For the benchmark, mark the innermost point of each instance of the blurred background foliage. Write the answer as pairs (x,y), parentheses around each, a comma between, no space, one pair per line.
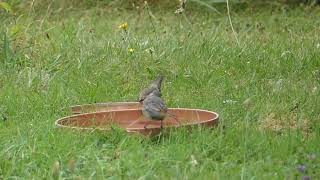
(38,6)
(17,15)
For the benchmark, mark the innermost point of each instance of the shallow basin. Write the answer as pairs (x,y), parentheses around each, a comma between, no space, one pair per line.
(133,121)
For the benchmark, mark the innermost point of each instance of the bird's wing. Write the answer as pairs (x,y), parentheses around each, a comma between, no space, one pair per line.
(157,105)
(162,105)
(154,107)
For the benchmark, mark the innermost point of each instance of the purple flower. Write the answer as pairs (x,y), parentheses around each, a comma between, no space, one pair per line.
(306,178)
(302,168)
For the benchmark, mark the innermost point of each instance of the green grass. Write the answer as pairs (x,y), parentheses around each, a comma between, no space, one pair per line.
(57,58)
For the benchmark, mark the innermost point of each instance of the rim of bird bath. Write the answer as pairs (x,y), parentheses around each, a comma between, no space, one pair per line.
(103,106)
(128,119)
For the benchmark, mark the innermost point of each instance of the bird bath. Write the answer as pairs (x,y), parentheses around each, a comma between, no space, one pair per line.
(129,117)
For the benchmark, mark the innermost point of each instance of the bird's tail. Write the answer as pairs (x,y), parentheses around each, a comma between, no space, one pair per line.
(158,82)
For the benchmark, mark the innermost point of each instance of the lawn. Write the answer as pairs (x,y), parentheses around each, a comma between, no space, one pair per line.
(266,88)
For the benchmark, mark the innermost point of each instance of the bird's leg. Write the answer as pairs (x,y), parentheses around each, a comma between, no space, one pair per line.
(161,125)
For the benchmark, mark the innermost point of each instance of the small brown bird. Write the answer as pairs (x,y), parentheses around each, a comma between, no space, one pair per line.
(154,108)
(154,86)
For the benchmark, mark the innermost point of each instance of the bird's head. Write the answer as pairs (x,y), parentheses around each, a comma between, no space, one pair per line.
(142,97)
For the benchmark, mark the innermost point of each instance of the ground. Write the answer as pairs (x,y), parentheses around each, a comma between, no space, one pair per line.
(266,88)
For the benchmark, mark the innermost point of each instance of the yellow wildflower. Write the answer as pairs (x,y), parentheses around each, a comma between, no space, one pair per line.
(123,26)
(130,50)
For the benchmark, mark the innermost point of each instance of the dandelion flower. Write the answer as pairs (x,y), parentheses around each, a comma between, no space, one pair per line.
(130,50)
(123,26)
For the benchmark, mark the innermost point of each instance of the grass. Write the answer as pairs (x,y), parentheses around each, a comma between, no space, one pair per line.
(266,91)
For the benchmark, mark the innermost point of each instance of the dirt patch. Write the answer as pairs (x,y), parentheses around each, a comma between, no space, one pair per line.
(281,123)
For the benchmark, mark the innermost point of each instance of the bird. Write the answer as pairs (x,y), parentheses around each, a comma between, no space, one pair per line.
(154,86)
(154,107)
